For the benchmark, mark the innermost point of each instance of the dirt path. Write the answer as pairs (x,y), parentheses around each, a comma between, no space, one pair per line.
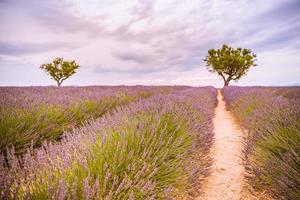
(226,180)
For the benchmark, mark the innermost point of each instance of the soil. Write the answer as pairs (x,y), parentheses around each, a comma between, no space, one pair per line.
(226,181)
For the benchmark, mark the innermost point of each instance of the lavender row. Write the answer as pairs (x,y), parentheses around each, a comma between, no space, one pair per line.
(272,141)
(151,149)
(24,97)
(32,114)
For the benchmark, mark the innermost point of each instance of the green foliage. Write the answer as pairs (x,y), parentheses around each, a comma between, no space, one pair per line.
(230,63)
(60,70)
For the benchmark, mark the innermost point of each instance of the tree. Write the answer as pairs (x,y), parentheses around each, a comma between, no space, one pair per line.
(60,70)
(230,63)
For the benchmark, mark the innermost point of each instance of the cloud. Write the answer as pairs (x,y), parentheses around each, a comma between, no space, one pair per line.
(19,49)
(138,57)
(146,38)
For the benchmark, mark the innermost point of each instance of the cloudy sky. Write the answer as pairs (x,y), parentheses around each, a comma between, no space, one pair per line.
(147,41)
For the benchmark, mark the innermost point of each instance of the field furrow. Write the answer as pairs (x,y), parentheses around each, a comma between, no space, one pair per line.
(226,180)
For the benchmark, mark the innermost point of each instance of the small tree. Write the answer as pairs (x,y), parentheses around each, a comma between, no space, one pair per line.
(230,63)
(60,70)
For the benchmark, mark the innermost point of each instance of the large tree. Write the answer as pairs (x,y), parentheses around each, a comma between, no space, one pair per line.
(60,70)
(230,63)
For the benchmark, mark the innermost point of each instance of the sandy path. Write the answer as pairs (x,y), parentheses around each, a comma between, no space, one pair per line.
(226,180)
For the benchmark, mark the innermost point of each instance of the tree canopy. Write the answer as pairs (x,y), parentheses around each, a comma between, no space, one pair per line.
(60,70)
(230,63)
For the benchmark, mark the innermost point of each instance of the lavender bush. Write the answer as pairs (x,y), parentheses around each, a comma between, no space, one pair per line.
(30,115)
(151,149)
(272,142)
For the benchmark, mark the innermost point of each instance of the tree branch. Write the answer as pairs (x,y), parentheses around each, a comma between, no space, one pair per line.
(222,76)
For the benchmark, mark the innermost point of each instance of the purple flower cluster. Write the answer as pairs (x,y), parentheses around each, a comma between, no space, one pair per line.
(271,118)
(149,149)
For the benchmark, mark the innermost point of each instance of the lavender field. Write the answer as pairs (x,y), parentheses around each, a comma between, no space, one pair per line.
(104,143)
(143,142)
(32,114)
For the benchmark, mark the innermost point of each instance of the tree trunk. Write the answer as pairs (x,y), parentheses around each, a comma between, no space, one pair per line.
(226,83)
(58,83)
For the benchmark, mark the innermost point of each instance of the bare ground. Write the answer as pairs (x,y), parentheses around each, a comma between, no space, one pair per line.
(226,181)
